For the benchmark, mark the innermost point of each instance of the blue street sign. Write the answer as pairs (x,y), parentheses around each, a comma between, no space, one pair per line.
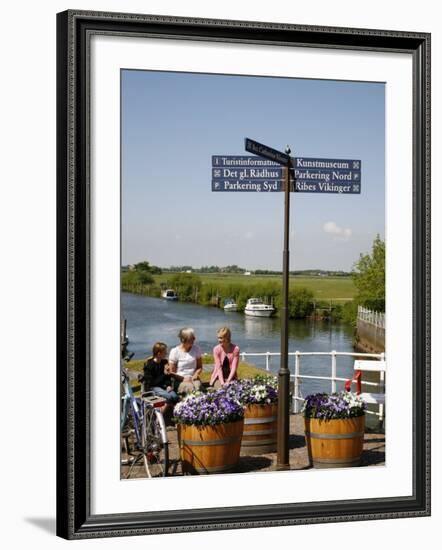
(250,185)
(307,186)
(267,152)
(298,163)
(300,186)
(278,173)
(337,175)
(326,164)
(247,173)
(243,161)
(308,175)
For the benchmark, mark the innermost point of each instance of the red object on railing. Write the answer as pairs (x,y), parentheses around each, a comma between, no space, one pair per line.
(357,377)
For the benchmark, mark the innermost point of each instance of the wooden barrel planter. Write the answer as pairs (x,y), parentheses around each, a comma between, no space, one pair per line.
(335,443)
(210,449)
(260,426)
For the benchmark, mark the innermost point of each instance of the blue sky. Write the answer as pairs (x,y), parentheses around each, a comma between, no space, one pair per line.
(172,124)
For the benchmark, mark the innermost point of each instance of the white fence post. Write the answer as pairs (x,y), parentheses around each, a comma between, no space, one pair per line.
(333,366)
(268,361)
(296,389)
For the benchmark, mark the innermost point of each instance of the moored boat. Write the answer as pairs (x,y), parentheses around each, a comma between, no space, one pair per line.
(169,294)
(230,305)
(255,307)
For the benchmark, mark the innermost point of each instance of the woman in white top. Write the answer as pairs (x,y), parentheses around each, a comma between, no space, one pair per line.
(185,364)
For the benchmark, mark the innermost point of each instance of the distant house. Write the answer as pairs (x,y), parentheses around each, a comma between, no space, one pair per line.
(247,272)
(188,271)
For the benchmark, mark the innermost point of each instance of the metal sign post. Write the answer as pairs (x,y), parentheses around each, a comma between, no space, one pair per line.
(282,441)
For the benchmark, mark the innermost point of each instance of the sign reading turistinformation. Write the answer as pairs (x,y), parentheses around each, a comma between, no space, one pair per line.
(308,175)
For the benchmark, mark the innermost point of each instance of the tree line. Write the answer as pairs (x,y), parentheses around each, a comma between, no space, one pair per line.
(368,275)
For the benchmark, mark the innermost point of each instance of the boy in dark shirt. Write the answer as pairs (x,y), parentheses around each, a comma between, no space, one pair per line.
(157,377)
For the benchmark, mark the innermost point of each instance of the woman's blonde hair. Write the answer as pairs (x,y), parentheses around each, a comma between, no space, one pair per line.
(185,334)
(224,332)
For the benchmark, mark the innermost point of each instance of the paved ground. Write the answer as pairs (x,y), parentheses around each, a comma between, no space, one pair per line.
(373,453)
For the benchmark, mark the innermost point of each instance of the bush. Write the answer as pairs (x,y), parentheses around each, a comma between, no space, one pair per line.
(187,285)
(134,278)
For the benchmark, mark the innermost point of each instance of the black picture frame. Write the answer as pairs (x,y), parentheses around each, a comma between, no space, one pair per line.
(74,518)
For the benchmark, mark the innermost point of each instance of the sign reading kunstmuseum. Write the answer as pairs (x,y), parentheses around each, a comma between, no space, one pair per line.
(308,175)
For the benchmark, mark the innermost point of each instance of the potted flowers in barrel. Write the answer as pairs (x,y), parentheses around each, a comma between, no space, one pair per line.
(210,428)
(259,396)
(334,429)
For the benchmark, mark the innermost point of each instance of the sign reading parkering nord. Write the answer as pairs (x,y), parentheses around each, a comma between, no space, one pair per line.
(309,175)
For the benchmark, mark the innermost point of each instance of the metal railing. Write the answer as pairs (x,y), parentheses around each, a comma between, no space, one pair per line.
(297,377)
(375,318)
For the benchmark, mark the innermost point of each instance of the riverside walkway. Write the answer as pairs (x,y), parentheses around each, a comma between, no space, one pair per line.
(373,453)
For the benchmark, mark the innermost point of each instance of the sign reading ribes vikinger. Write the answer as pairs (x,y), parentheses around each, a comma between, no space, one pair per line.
(308,175)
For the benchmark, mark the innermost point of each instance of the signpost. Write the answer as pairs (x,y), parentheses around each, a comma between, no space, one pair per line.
(282,439)
(270,171)
(308,175)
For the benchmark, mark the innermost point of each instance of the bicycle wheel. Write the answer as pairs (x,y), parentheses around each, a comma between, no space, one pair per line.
(154,444)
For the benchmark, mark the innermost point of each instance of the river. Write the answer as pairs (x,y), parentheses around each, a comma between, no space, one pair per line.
(153,319)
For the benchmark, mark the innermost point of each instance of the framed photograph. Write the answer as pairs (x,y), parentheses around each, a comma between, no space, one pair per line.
(243,260)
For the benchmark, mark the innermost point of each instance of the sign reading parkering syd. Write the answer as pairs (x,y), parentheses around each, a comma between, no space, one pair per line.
(308,175)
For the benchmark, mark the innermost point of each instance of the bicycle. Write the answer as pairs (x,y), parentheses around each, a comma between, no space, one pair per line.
(143,423)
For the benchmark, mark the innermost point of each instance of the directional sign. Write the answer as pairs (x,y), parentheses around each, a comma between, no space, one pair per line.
(243,161)
(326,164)
(328,175)
(255,185)
(309,175)
(267,152)
(243,173)
(307,186)
(299,186)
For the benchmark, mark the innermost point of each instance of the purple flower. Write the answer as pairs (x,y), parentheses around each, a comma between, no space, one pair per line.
(341,404)
(207,410)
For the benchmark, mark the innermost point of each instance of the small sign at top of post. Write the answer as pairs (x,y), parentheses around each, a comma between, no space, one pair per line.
(264,151)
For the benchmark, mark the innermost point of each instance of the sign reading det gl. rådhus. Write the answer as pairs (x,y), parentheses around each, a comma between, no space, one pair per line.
(308,175)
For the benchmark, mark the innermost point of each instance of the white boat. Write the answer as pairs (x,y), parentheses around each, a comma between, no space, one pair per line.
(169,294)
(230,305)
(257,308)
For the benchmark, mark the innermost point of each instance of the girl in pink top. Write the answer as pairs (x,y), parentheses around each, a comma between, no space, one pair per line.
(226,356)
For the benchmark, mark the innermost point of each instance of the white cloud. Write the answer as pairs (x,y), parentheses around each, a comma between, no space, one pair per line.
(249,235)
(341,233)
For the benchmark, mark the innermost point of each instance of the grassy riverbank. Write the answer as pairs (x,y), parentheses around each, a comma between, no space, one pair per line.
(307,295)
(337,289)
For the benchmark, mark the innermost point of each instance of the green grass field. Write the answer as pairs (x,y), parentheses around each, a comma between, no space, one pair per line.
(324,288)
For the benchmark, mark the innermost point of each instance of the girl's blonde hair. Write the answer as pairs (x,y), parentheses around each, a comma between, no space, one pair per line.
(224,332)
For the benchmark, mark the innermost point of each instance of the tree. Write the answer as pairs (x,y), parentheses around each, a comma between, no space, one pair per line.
(369,277)
(142,266)
(145,267)
(134,278)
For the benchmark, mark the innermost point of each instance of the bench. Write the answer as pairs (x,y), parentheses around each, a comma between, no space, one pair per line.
(361,366)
